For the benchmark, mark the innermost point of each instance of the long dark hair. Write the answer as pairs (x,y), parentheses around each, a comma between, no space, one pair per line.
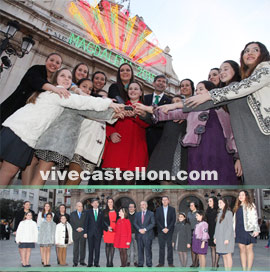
(191,84)
(225,209)
(237,75)
(264,56)
(43,210)
(107,210)
(74,80)
(208,85)
(215,201)
(121,87)
(96,73)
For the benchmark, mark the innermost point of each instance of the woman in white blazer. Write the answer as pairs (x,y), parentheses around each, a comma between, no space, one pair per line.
(18,137)
(245,223)
(26,237)
(63,238)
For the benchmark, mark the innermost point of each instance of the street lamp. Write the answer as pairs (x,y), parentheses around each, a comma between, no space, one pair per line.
(5,46)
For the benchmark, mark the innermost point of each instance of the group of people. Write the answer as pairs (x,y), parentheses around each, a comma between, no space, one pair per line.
(133,232)
(71,124)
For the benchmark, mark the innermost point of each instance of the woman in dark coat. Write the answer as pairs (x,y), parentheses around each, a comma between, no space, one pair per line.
(181,240)
(211,217)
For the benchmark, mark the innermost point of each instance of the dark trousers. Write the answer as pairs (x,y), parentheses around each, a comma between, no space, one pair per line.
(164,239)
(79,249)
(144,243)
(94,245)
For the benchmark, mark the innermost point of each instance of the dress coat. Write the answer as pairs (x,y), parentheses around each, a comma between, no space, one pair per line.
(132,149)
(60,234)
(46,234)
(27,232)
(224,231)
(32,81)
(182,236)
(122,233)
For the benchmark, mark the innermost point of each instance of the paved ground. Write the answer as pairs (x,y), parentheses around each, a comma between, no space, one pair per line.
(9,255)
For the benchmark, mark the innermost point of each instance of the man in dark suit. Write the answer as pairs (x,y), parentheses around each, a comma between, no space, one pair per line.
(77,222)
(144,223)
(154,132)
(93,230)
(165,218)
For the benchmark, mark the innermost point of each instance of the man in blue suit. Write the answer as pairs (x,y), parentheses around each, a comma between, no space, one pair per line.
(165,218)
(144,223)
(93,230)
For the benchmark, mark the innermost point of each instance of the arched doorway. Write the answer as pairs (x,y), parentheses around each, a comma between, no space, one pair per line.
(123,202)
(184,204)
(87,203)
(154,203)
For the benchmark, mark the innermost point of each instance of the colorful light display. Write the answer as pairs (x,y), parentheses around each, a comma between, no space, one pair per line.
(113,28)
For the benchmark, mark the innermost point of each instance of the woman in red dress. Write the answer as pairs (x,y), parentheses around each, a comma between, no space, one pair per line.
(110,217)
(122,237)
(127,147)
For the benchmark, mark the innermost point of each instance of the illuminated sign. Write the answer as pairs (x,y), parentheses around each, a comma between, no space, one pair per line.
(113,28)
(103,53)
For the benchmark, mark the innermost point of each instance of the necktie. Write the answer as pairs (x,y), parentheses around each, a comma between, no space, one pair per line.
(95,215)
(156,99)
(79,213)
(143,213)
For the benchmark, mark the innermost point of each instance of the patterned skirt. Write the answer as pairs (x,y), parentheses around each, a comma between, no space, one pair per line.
(51,156)
(84,164)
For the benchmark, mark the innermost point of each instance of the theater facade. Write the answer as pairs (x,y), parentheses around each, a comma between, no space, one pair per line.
(100,33)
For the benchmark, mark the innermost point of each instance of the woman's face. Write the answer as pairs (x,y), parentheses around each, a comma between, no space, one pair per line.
(47,207)
(63,219)
(53,63)
(110,203)
(214,76)
(62,209)
(86,86)
(251,54)
(99,81)
(211,202)
(81,72)
(28,216)
(49,218)
(185,88)
(242,196)
(125,73)
(200,89)
(64,79)
(199,217)
(134,91)
(181,217)
(226,72)
(121,213)
(221,204)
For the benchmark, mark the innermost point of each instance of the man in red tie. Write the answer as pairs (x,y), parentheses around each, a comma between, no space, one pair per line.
(144,223)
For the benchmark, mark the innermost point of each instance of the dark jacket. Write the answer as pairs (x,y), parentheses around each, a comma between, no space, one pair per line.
(77,222)
(154,131)
(32,81)
(19,217)
(92,227)
(148,224)
(114,92)
(57,217)
(182,236)
(131,218)
(160,219)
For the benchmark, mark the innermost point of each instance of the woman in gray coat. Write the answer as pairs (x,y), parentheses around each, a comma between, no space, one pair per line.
(181,240)
(224,233)
(46,237)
